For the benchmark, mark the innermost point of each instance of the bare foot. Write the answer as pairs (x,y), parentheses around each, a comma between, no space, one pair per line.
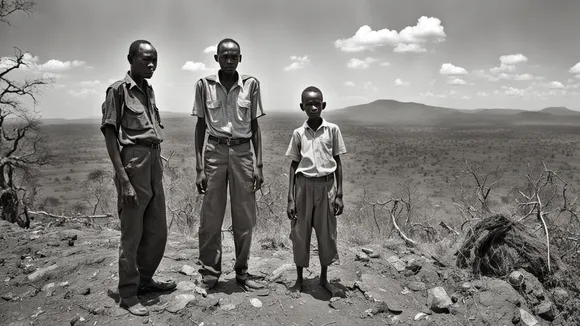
(295,290)
(334,291)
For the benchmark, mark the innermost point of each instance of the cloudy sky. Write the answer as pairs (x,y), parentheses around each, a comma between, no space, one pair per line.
(457,53)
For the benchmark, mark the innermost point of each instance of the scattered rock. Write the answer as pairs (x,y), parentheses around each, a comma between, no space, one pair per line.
(187,270)
(263,293)
(40,272)
(478,284)
(546,311)
(339,303)
(279,271)
(394,306)
(201,291)
(256,303)
(375,255)
(20,323)
(415,265)
(379,308)
(85,291)
(466,286)
(527,319)
(179,302)
(417,286)
(76,319)
(438,300)
(9,296)
(367,251)
(455,297)
(49,289)
(209,303)
(560,296)
(228,307)
(516,279)
(430,277)
(186,286)
(362,257)
(420,315)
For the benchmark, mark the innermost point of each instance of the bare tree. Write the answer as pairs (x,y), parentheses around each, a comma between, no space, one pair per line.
(21,141)
(98,190)
(474,187)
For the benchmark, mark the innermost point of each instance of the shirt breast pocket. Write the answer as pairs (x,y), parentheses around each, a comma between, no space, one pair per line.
(214,110)
(243,111)
(134,116)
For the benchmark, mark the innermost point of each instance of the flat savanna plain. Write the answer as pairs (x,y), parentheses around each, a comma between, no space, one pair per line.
(381,158)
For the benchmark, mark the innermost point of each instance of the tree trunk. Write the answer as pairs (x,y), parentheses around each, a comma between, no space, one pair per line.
(9,205)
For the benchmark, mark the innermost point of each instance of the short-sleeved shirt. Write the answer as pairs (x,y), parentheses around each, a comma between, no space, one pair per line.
(228,114)
(314,150)
(132,111)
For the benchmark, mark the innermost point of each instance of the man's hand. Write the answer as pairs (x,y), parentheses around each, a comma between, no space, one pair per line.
(338,206)
(201,182)
(258,179)
(291,211)
(128,195)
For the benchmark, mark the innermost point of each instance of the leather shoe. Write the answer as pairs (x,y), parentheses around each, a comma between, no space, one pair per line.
(247,283)
(157,286)
(134,306)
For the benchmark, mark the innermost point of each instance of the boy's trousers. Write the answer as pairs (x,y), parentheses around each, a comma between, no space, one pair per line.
(143,228)
(233,165)
(314,199)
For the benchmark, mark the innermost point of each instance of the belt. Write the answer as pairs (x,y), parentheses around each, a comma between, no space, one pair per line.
(327,177)
(148,144)
(229,141)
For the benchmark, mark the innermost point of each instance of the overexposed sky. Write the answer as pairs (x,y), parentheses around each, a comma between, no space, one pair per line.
(458,53)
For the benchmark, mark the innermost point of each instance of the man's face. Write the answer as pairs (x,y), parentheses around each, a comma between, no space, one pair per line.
(312,104)
(228,57)
(145,62)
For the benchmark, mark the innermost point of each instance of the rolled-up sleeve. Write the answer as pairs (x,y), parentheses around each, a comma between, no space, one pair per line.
(338,147)
(111,110)
(293,151)
(257,108)
(198,102)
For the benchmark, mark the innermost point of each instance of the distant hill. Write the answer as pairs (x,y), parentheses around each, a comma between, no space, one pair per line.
(388,111)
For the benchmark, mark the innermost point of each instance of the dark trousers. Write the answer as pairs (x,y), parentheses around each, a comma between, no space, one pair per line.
(233,165)
(143,228)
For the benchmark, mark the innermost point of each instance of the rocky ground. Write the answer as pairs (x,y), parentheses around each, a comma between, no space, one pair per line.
(66,274)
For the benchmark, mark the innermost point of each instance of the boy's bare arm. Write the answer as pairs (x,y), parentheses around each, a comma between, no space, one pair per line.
(291,184)
(338,175)
(199,139)
(257,144)
(128,194)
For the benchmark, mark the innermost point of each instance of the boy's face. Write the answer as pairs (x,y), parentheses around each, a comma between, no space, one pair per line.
(228,57)
(312,104)
(145,62)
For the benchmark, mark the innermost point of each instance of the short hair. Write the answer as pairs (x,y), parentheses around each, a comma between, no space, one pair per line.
(312,89)
(134,48)
(228,40)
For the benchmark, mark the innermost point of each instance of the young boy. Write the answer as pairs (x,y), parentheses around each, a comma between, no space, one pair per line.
(313,199)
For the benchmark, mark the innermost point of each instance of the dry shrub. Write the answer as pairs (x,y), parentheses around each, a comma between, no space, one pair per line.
(497,245)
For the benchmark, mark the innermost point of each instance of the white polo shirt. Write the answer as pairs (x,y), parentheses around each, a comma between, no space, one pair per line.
(315,149)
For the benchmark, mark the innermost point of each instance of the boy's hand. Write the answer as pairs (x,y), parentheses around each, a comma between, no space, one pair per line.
(128,194)
(291,211)
(258,179)
(338,206)
(201,182)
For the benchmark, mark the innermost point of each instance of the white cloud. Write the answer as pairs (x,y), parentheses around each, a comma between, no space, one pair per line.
(450,69)
(297,63)
(502,67)
(89,83)
(511,91)
(426,29)
(57,65)
(483,74)
(512,59)
(385,64)
(349,84)
(400,83)
(355,63)
(210,49)
(466,97)
(457,82)
(413,48)
(482,94)
(576,70)
(194,66)
(523,77)
(83,92)
(555,85)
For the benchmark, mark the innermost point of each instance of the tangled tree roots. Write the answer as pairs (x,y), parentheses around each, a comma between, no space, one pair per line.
(498,245)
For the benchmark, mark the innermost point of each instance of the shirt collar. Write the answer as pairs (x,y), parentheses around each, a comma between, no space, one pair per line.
(240,81)
(323,124)
(132,83)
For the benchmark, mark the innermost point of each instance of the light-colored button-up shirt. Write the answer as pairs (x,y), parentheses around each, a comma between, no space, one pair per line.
(228,114)
(132,111)
(315,149)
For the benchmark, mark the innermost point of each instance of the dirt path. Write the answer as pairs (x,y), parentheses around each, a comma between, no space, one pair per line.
(59,275)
